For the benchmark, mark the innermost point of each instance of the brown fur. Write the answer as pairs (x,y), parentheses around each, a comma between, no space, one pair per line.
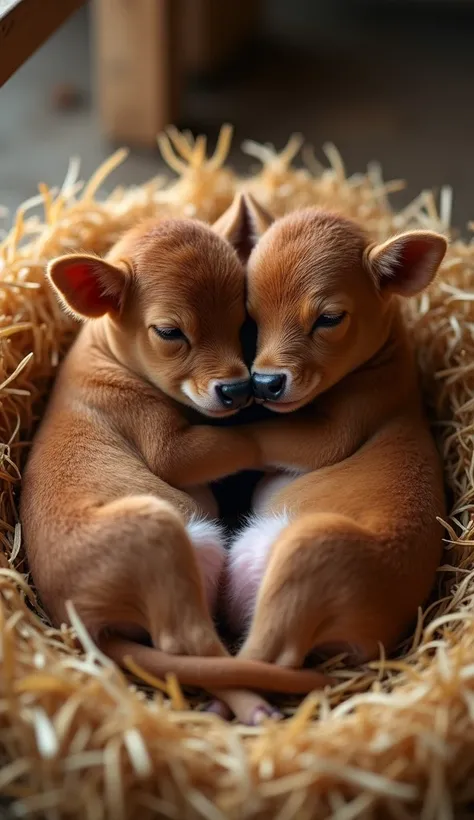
(104,505)
(362,545)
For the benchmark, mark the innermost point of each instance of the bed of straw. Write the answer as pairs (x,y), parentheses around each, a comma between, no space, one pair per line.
(78,738)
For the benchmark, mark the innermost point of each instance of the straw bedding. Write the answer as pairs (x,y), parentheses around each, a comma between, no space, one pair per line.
(77,738)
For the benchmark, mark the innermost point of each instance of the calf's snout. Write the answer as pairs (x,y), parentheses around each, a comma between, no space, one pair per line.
(268,386)
(234,395)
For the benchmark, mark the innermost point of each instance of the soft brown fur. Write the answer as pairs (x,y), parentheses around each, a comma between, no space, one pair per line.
(361,545)
(104,506)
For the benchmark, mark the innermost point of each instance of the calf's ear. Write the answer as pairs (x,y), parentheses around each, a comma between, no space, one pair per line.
(407,263)
(243,223)
(87,286)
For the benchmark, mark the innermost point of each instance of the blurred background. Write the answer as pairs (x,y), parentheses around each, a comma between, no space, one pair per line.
(387,80)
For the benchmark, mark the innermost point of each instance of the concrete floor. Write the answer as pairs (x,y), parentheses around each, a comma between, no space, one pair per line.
(392,86)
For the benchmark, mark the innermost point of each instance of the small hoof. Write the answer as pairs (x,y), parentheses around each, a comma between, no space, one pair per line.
(262,713)
(216,707)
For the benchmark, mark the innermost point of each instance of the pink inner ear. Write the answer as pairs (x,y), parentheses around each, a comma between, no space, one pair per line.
(83,291)
(413,252)
(411,270)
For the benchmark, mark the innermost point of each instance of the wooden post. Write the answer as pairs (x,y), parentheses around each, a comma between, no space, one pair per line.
(143,47)
(138,68)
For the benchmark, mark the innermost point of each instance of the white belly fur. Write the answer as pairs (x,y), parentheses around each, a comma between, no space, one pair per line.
(268,487)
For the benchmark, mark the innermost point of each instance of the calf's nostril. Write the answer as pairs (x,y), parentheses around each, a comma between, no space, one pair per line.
(224,399)
(276,385)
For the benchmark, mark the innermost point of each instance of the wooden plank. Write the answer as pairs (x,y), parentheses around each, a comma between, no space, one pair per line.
(138,68)
(24,27)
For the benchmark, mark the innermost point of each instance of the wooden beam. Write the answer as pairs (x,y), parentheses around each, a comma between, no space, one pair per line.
(24,27)
(138,67)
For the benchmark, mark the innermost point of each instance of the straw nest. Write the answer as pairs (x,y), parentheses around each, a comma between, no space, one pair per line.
(79,740)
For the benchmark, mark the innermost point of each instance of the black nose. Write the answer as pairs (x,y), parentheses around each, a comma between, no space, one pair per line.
(268,386)
(234,394)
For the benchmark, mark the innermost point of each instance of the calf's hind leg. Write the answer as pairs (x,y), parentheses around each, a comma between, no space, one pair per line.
(143,573)
(135,567)
(325,585)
